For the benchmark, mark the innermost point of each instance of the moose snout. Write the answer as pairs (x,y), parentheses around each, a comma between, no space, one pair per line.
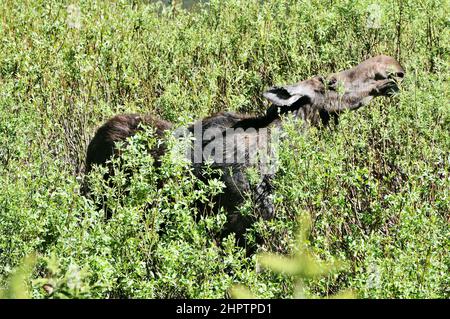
(390,88)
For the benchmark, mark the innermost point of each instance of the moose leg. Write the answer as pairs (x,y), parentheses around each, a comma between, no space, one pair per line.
(237,189)
(262,197)
(238,223)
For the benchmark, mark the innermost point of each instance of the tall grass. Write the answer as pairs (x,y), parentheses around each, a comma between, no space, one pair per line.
(377,186)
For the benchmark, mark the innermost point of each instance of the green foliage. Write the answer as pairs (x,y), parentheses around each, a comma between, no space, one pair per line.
(303,265)
(17,286)
(377,186)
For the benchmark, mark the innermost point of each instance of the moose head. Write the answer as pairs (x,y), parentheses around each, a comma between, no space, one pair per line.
(348,89)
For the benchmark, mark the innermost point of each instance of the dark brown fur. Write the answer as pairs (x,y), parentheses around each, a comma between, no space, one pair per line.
(117,129)
(103,146)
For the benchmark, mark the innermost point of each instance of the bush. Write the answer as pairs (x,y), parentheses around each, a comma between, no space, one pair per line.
(376,187)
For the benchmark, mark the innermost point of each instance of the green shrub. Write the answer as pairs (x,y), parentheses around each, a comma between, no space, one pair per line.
(377,186)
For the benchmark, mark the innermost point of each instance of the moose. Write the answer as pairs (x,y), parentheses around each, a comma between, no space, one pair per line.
(232,143)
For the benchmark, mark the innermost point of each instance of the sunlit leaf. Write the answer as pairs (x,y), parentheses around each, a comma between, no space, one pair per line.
(241,292)
(17,286)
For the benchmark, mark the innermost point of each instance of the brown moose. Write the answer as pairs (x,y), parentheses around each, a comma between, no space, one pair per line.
(233,140)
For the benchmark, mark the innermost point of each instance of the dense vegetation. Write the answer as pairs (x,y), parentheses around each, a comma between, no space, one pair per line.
(376,187)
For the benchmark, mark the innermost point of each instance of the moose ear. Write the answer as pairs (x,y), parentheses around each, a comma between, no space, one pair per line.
(288,95)
(280,96)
